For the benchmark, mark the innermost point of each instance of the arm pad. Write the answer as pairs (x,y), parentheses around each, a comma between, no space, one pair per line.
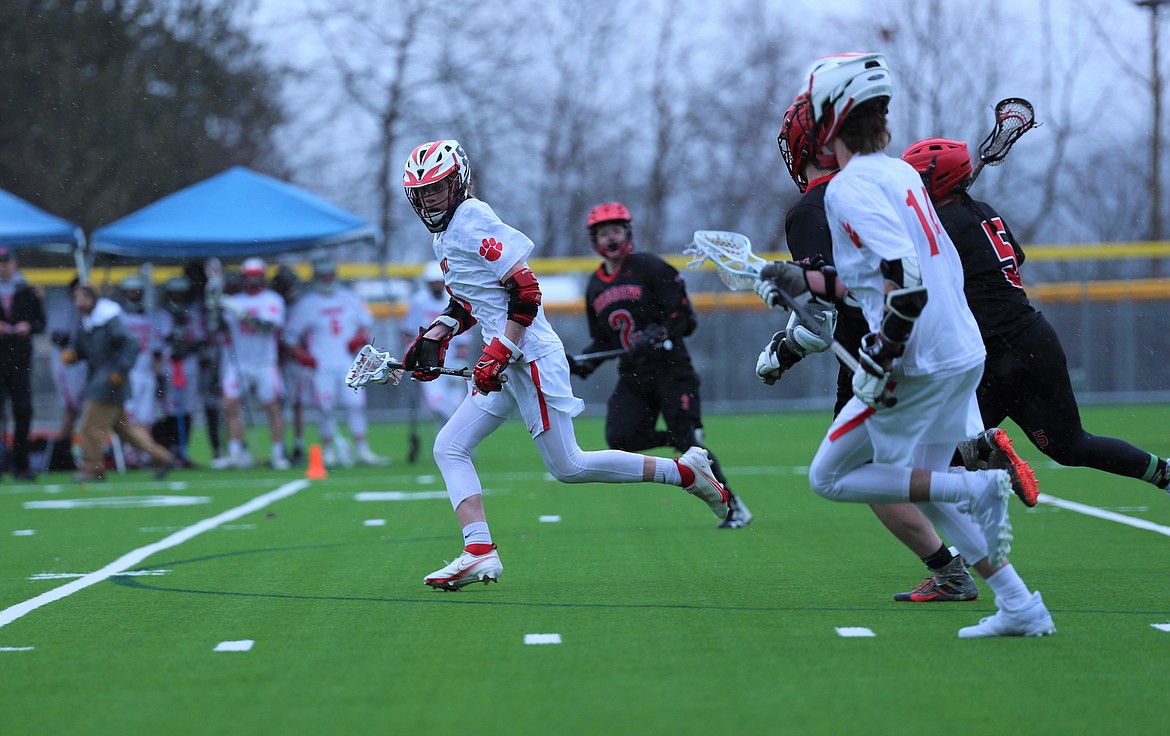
(905,300)
(457,317)
(523,296)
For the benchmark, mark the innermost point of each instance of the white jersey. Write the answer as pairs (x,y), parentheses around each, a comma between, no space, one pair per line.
(325,323)
(476,251)
(878,209)
(151,328)
(423,309)
(253,321)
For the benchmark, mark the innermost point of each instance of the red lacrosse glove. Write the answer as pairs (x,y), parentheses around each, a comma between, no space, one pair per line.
(358,341)
(423,356)
(302,355)
(492,363)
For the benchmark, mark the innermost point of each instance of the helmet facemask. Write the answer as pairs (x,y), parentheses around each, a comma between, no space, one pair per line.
(436,203)
(608,246)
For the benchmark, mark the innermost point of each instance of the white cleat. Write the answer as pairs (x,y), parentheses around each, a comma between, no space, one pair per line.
(237,460)
(366,456)
(467,569)
(990,509)
(706,485)
(1031,620)
(329,457)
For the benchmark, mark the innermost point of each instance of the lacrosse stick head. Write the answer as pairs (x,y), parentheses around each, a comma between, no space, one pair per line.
(1014,116)
(732,255)
(372,365)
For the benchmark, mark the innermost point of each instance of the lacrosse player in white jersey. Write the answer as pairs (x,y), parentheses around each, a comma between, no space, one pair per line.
(914,394)
(441,398)
(523,369)
(325,328)
(249,363)
(151,326)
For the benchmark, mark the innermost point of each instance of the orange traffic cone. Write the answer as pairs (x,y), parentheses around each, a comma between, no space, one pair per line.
(316,469)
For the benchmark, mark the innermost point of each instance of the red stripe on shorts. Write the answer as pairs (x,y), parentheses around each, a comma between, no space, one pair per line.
(852,424)
(539,395)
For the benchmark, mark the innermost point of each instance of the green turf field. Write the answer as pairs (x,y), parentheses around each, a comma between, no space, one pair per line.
(667,625)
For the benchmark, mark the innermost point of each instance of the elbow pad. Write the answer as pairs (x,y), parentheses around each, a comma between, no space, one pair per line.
(523,296)
(456,316)
(904,301)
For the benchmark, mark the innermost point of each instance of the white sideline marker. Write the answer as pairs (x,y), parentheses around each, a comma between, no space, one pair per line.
(542,638)
(16,649)
(24,532)
(1087,510)
(374,522)
(1161,627)
(243,645)
(135,558)
(399,495)
(851,631)
(549,519)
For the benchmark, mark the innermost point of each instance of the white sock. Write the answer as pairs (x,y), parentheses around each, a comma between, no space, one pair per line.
(1009,588)
(235,447)
(952,487)
(666,471)
(277,449)
(477,532)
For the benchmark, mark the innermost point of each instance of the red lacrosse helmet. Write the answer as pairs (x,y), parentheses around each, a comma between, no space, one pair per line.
(606,213)
(943,163)
(795,148)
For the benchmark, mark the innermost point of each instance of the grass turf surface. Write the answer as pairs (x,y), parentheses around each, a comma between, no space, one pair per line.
(668,625)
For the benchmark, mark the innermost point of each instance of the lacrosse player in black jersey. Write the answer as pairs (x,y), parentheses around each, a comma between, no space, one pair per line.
(806,228)
(1026,375)
(637,302)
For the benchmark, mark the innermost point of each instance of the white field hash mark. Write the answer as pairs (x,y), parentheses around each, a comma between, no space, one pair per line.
(850,631)
(67,575)
(135,558)
(1161,627)
(542,638)
(243,645)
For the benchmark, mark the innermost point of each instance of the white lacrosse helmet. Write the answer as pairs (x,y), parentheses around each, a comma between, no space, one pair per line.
(429,164)
(837,84)
(432,272)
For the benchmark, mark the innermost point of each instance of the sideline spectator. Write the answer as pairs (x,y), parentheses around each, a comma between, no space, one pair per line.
(21,317)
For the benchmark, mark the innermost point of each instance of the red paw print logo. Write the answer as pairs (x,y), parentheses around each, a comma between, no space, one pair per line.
(491,249)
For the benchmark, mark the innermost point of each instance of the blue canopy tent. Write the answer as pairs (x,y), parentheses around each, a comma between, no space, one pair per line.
(23,225)
(232,215)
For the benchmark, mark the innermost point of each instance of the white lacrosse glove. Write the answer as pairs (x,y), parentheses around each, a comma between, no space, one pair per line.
(801,340)
(786,276)
(871,379)
(776,357)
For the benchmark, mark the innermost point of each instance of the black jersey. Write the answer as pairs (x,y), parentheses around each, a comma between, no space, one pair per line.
(991,266)
(806,226)
(645,290)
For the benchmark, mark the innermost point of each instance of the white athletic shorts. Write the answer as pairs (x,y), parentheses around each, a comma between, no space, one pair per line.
(329,390)
(929,411)
(532,388)
(237,379)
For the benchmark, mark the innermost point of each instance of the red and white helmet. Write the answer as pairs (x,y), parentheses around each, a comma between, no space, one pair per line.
(838,84)
(611,212)
(252,271)
(429,164)
(944,164)
(795,146)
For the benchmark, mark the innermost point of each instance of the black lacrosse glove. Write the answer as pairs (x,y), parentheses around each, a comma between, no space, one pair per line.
(60,337)
(424,357)
(648,340)
(582,368)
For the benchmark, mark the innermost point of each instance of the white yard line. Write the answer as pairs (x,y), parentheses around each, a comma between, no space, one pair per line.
(130,559)
(1087,510)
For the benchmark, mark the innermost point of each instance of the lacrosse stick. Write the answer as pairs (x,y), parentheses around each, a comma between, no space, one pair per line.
(372,365)
(602,355)
(1014,116)
(739,269)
